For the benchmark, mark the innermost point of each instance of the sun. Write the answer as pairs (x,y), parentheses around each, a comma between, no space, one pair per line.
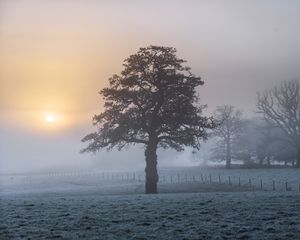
(50,118)
(53,122)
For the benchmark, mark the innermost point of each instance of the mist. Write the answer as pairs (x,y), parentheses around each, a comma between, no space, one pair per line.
(73,48)
(24,152)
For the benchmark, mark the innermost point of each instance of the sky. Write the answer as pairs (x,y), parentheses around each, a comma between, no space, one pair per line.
(55,55)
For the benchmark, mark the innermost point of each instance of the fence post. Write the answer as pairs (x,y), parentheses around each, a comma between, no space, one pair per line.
(274,185)
(229,180)
(261,184)
(286,186)
(219,179)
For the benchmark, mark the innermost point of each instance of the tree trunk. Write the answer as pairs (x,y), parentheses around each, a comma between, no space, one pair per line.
(151,169)
(261,161)
(228,155)
(269,160)
(298,157)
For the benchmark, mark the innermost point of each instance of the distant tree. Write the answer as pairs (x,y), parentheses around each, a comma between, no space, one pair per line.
(284,153)
(254,143)
(243,148)
(271,144)
(228,121)
(280,107)
(152,102)
(263,141)
(268,143)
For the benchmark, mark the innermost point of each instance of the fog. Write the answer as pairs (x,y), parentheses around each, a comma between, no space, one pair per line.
(56,56)
(22,152)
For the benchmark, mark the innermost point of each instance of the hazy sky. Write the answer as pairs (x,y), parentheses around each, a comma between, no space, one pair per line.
(55,55)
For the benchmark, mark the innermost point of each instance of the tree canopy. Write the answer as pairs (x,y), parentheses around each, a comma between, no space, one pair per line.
(154,96)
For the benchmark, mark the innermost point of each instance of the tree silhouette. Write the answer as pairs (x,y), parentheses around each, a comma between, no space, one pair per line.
(153,102)
(229,123)
(280,107)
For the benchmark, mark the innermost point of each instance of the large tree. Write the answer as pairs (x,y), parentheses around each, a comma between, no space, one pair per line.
(280,107)
(152,102)
(229,122)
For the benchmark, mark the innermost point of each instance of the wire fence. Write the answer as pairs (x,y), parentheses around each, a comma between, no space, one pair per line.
(249,183)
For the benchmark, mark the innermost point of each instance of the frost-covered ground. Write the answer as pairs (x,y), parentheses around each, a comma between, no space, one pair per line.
(239,215)
(92,207)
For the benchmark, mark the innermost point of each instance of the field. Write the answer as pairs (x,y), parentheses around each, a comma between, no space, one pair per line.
(102,206)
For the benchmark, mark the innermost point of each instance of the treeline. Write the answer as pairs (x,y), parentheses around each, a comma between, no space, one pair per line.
(271,137)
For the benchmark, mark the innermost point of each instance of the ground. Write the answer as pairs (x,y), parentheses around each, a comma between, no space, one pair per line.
(240,215)
(81,211)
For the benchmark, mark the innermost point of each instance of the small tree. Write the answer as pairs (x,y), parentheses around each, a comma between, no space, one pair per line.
(280,107)
(228,127)
(152,102)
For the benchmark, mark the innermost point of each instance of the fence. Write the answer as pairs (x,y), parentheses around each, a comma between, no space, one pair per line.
(249,183)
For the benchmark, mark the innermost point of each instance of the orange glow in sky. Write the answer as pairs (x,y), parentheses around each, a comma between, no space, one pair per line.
(58,54)
(55,56)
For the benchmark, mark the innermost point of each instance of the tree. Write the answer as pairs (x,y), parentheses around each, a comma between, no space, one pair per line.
(243,142)
(284,153)
(271,144)
(152,102)
(264,138)
(228,125)
(280,107)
